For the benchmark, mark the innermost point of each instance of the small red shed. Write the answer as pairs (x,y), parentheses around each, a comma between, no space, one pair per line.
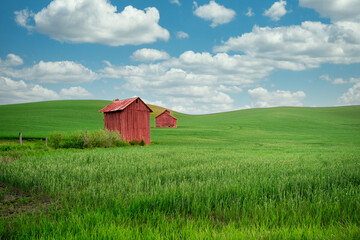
(130,117)
(165,119)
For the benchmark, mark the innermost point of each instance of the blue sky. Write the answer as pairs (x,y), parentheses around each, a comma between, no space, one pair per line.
(190,56)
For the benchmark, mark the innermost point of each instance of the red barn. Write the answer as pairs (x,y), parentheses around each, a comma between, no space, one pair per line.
(165,119)
(130,117)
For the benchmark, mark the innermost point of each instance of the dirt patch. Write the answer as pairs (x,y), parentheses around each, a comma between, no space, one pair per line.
(14,201)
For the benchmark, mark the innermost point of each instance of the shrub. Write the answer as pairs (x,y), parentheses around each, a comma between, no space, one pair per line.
(55,140)
(74,140)
(87,139)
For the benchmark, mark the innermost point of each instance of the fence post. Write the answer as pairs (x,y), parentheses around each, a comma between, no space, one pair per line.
(20,138)
(46,139)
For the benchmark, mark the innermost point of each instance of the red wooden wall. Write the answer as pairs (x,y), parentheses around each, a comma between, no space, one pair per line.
(166,120)
(133,123)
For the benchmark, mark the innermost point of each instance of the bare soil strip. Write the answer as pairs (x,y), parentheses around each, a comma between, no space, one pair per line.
(14,201)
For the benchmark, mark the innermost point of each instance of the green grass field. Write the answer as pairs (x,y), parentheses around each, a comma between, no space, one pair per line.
(279,173)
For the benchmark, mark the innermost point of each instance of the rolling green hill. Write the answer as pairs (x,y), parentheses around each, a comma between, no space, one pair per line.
(277,173)
(38,119)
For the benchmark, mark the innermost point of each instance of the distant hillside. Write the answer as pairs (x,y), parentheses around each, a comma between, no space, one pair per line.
(37,120)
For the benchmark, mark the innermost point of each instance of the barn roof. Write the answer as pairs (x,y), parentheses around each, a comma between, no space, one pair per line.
(166,112)
(119,105)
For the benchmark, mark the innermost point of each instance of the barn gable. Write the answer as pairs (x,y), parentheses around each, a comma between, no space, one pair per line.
(129,117)
(119,105)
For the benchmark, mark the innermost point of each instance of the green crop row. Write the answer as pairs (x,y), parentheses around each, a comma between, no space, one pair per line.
(134,186)
(283,173)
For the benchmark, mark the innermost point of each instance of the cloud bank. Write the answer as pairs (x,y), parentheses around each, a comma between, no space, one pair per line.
(299,47)
(12,91)
(47,72)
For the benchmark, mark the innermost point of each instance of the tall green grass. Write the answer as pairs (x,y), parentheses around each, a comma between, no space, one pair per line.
(219,190)
(282,173)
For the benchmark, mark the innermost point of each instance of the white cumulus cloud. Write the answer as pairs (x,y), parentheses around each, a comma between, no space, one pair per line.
(300,46)
(264,98)
(95,21)
(193,68)
(229,69)
(215,13)
(276,11)
(352,96)
(48,72)
(201,82)
(12,91)
(11,60)
(149,55)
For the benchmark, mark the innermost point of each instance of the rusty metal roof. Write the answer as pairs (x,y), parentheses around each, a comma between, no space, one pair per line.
(119,105)
(166,112)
